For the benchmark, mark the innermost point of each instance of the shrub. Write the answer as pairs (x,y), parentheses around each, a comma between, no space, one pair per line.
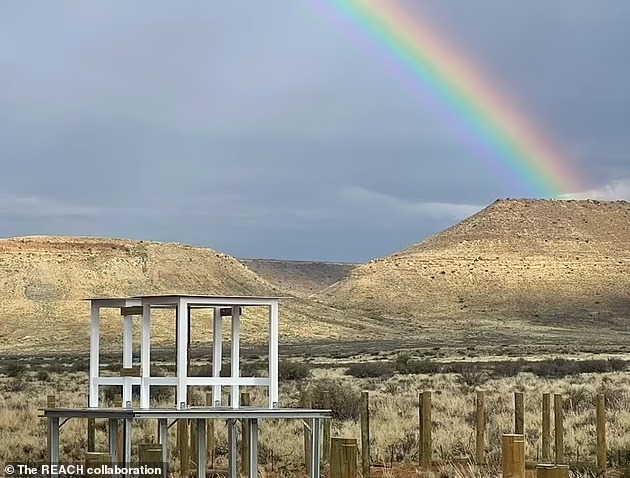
(560,367)
(617,365)
(345,399)
(290,371)
(472,375)
(81,365)
(508,368)
(405,365)
(43,375)
(371,370)
(16,369)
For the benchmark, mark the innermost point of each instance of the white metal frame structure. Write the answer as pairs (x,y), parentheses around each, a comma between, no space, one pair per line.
(183,305)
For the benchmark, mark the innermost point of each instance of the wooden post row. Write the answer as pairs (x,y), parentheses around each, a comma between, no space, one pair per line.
(481,429)
(365,435)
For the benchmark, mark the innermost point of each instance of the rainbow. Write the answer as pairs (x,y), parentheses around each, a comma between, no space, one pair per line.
(510,145)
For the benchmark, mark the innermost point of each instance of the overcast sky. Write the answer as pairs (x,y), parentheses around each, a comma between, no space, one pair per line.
(265,129)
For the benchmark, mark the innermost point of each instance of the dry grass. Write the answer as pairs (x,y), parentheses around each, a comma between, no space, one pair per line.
(394,418)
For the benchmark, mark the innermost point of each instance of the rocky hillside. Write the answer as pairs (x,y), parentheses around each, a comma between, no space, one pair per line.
(534,262)
(43,281)
(300,278)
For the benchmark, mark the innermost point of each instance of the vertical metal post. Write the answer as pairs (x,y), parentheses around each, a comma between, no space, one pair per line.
(94,355)
(273,355)
(202,463)
(113,440)
(182,355)
(145,357)
(163,439)
(54,442)
(236,339)
(127,357)
(253,447)
(315,447)
(217,354)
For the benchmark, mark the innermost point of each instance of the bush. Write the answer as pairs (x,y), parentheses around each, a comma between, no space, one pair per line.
(290,371)
(16,369)
(345,399)
(508,368)
(371,370)
(617,365)
(560,367)
(43,375)
(472,375)
(405,365)
(81,365)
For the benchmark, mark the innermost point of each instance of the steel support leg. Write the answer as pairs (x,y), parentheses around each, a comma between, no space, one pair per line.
(113,440)
(54,443)
(202,448)
(163,439)
(315,447)
(253,447)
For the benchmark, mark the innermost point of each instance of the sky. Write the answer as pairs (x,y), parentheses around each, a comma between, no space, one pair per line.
(277,130)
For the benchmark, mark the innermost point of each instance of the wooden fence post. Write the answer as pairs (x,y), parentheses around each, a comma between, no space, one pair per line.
(326,435)
(343,458)
(182,441)
(601,434)
(210,432)
(91,432)
(97,460)
(119,430)
(519,413)
(426,446)
(547,470)
(558,428)
(481,428)
(546,428)
(513,456)
(305,402)
(51,402)
(365,435)
(245,402)
(150,455)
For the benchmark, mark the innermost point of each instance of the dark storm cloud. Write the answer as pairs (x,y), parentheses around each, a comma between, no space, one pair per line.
(269,130)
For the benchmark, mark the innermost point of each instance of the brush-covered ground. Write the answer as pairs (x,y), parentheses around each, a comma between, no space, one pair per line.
(393,380)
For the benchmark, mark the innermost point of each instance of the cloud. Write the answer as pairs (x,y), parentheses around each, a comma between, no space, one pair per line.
(375,201)
(614,191)
(33,206)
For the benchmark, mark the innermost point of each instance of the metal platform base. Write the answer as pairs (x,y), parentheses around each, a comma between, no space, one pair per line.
(200,414)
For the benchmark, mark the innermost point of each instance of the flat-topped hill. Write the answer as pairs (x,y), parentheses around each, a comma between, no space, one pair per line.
(43,281)
(533,262)
(301,278)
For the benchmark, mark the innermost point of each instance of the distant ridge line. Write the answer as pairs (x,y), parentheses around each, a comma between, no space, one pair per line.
(246,259)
